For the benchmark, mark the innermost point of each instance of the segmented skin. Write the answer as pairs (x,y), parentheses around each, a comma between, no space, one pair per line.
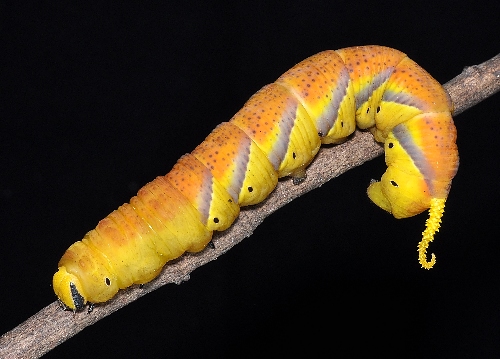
(277,133)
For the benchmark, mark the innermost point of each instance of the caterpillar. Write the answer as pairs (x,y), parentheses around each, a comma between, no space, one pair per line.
(277,133)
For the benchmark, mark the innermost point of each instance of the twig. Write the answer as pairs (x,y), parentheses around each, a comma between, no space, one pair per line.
(51,326)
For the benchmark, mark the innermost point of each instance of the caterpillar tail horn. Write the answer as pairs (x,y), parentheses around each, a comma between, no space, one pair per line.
(432,226)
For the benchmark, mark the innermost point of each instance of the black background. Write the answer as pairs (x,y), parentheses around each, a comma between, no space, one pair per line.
(98,99)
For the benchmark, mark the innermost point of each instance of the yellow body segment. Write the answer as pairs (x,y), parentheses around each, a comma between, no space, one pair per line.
(118,241)
(182,219)
(277,133)
(325,90)
(280,127)
(369,68)
(216,208)
(149,208)
(247,174)
(435,134)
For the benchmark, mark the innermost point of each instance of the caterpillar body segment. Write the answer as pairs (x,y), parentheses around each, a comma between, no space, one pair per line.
(324,88)
(279,125)
(277,133)
(244,169)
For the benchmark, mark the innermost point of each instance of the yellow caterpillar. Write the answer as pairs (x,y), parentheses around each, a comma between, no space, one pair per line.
(277,133)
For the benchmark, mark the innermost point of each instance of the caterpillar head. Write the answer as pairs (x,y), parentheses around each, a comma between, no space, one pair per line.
(83,277)
(69,290)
